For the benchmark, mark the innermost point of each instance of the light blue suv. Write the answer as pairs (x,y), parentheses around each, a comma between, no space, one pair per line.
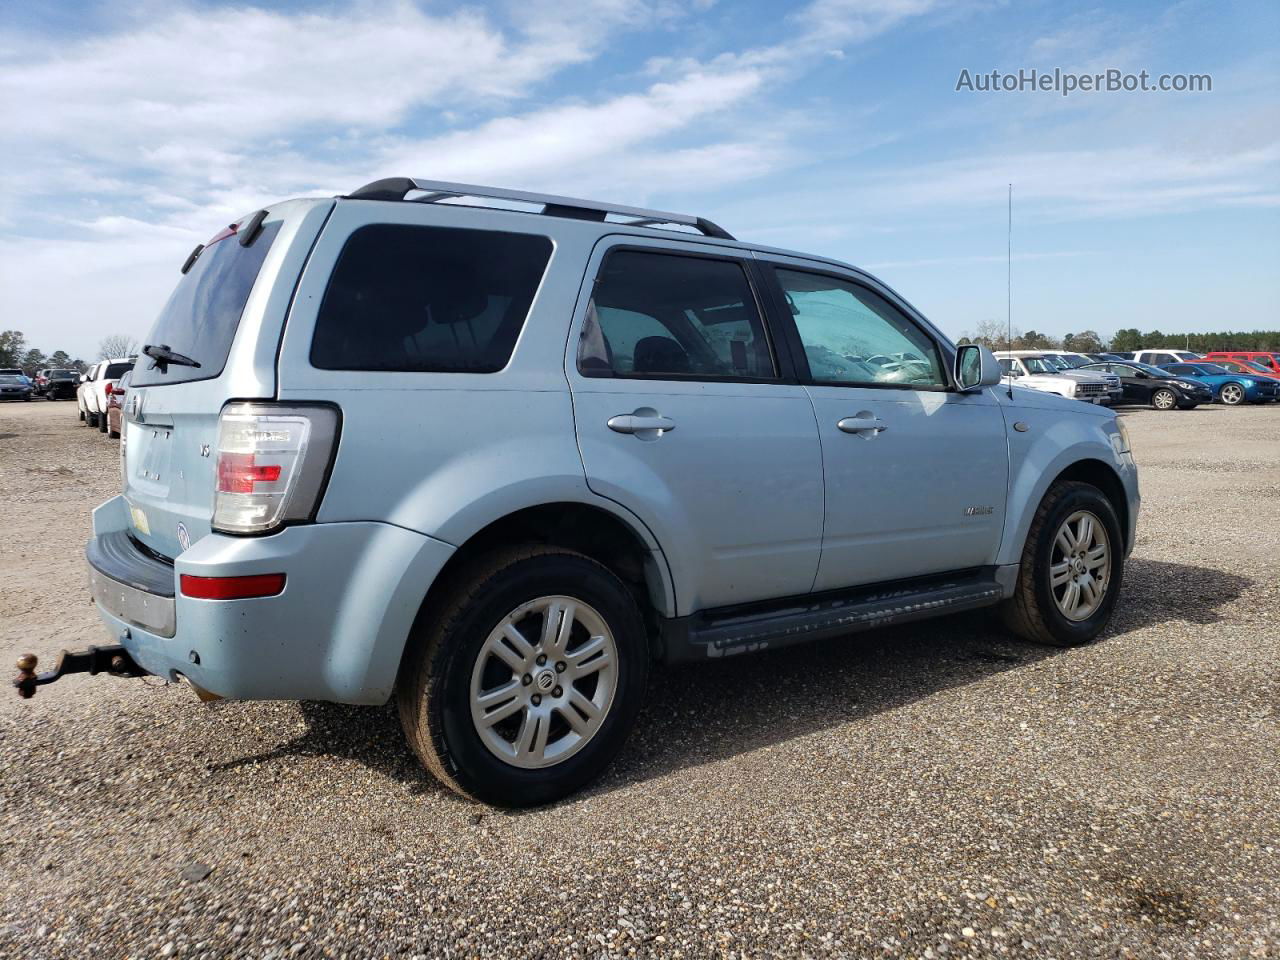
(492,458)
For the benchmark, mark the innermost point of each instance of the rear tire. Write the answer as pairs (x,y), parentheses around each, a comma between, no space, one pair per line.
(463,665)
(1164,400)
(91,419)
(102,423)
(1055,571)
(81,412)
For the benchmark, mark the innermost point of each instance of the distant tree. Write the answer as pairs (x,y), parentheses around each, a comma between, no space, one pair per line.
(1034,340)
(1127,339)
(1086,341)
(990,333)
(59,358)
(33,360)
(78,365)
(117,345)
(12,344)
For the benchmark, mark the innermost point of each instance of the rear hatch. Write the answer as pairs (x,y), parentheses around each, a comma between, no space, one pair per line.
(226,315)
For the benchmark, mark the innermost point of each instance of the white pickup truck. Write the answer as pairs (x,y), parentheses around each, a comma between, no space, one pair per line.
(1038,372)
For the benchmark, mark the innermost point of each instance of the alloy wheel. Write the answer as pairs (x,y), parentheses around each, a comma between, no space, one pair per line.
(1080,565)
(1232,394)
(1164,400)
(544,682)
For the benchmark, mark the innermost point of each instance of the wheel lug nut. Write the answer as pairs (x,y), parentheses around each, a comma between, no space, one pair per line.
(557,692)
(526,679)
(537,699)
(542,658)
(561,667)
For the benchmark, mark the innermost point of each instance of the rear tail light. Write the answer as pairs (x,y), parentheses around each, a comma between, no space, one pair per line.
(109,390)
(272,460)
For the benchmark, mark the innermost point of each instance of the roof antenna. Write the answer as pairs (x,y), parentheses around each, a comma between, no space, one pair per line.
(1009,290)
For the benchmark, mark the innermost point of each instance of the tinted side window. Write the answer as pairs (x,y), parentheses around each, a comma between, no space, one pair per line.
(852,335)
(664,315)
(428,299)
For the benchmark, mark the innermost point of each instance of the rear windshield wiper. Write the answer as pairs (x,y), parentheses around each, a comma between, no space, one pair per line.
(161,356)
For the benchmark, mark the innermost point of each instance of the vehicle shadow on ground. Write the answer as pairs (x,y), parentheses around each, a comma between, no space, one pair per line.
(700,713)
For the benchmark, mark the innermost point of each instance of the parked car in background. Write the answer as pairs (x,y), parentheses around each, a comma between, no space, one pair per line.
(1068,361)
(93,392)
(1269,362)
(1105,357)
(116,398)
(1158,358)
(495,484)
(14,386)
(1229,388)
(56,383)
(1161,389)
(1032,369)
(1246,369)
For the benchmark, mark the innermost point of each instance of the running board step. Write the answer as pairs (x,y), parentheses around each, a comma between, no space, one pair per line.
(746,629)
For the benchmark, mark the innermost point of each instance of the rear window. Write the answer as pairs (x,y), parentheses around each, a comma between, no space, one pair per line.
(428,299)
(203,312)
(62,374)
(117,370)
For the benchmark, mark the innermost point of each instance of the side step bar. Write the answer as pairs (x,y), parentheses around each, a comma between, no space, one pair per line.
(727,631)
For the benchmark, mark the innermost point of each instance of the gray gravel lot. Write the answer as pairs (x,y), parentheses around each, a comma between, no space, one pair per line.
(937,790)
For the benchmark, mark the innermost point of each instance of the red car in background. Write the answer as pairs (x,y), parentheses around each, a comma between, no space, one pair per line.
(1266,359)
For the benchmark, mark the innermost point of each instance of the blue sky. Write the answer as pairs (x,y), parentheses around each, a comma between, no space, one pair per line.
(134,131)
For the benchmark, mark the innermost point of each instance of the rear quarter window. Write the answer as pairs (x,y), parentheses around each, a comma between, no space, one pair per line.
(428,299)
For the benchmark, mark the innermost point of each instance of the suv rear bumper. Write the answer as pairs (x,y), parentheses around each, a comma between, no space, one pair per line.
(336,631)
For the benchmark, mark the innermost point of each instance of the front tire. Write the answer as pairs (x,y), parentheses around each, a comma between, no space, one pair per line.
(1164,400)
(522,683)
(1071,570)
(1232,394)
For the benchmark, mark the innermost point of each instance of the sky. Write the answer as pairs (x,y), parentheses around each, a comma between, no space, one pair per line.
(134,131)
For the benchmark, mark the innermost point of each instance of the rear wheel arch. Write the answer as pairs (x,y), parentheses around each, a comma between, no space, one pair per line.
(593,531)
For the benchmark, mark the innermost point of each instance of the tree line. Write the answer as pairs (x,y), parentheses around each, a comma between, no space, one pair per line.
(14,352)
(993,333)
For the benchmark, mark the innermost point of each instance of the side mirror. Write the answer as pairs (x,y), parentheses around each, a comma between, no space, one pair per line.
(976,367)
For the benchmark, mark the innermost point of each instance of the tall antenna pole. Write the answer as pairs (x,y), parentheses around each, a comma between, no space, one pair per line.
(1009,289)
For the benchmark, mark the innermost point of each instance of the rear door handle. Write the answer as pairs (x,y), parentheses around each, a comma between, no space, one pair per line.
(644,423)
(862,424)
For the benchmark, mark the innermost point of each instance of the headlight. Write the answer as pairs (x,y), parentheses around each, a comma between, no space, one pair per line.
(1120,439)
(1183,384)
(1250,383)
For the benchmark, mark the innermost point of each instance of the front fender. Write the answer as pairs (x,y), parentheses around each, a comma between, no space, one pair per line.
(1040,454)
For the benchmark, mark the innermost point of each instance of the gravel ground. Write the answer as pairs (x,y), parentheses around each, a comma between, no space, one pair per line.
(930,791)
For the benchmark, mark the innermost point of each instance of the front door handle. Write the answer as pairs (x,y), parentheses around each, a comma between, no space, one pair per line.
(645,423)
(863,423)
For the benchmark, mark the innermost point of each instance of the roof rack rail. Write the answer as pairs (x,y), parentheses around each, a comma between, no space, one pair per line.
(398,188)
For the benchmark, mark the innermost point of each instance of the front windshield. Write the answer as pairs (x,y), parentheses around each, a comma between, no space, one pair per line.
(1250,367)
(1039,365)
(1056,362)
(1074,360)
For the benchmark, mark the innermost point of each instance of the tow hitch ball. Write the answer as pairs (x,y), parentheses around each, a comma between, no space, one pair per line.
(114,660)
